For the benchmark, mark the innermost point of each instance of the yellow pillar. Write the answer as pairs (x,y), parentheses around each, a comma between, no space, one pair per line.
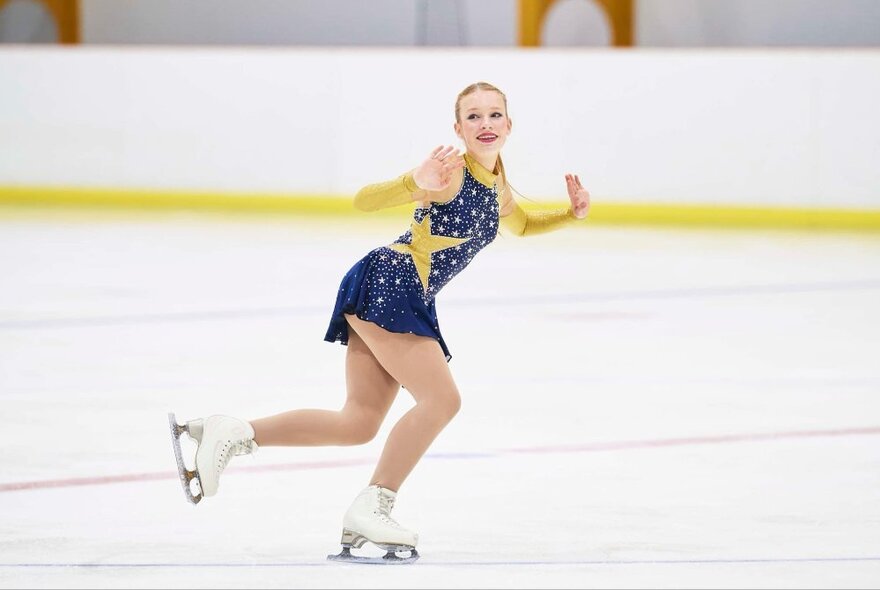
(620,15)
(531,19)
(66,15)
(533,13)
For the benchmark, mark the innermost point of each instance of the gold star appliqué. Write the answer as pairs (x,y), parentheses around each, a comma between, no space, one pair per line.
(424,243)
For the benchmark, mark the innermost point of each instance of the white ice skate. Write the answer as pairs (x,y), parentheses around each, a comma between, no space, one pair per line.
(369,519)
(219,438)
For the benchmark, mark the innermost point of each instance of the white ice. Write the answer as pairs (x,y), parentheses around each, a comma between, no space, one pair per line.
(643,407)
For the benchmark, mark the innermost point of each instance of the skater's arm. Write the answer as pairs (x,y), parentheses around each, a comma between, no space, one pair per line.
(521,222)
(430,181)
(400,191)
(529,223)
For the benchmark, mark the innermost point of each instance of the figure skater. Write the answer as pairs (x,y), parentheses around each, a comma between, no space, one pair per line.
(385,314)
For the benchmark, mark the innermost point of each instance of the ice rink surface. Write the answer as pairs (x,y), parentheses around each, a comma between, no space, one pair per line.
(642,407)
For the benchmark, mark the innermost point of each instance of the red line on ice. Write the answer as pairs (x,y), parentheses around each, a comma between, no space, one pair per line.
(331,464)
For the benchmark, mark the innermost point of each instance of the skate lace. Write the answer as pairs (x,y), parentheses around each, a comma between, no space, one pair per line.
(233,448)
(386,503)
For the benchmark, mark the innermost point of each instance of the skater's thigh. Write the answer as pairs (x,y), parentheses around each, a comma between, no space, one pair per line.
(369,386)
(416,362)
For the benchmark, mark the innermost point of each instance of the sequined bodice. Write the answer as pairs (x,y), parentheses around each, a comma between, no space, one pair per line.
(445,237)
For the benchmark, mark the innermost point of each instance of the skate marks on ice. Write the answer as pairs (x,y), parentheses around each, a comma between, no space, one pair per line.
(186,475)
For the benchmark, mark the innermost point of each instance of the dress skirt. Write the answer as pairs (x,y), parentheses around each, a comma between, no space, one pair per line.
(384,288)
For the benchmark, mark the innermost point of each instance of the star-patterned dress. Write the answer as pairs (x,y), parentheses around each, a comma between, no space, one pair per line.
(394,286)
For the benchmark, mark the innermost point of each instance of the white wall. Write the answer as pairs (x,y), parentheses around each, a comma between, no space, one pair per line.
(797,128)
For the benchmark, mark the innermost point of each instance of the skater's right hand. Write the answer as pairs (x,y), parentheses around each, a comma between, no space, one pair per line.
(435,173)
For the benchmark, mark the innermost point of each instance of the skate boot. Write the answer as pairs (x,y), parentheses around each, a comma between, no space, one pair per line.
(369,519)
(219,438)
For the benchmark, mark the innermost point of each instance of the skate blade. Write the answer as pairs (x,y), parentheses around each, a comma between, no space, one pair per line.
(186,475)
(390,558)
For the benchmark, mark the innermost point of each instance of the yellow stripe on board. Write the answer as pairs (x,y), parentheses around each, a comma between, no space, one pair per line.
(166,199)
(736,217)
(601,213)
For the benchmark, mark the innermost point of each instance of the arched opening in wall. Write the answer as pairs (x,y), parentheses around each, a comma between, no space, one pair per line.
(576,23)
(39,21)
(27,21)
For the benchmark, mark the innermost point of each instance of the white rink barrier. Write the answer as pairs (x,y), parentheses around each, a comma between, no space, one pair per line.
(741,128)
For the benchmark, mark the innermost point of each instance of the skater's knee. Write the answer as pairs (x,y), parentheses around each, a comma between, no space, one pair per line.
(361,433)
(360,425)
(453,405)
(444,406)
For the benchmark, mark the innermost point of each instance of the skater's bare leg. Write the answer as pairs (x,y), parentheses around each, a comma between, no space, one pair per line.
(418,363)
(371,391)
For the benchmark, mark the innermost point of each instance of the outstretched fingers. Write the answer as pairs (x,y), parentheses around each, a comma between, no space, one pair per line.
(453,163)
(446,170)
(570,185)
(442,152)
(573,182)
(580,198)
(435,173)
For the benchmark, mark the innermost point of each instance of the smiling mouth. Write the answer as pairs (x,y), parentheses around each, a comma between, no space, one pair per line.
(487,137)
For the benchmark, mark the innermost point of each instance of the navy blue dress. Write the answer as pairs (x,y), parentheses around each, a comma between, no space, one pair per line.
(394,286)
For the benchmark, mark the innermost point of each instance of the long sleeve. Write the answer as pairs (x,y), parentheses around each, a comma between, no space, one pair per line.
(386,194)
(528,223)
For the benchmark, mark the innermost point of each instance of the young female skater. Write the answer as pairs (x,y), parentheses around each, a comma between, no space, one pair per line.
(385,315)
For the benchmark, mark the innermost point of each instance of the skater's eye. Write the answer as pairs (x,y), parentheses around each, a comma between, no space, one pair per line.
(494,115)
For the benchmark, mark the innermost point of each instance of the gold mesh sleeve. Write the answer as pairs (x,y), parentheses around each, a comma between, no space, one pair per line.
(386,194)
(529,223)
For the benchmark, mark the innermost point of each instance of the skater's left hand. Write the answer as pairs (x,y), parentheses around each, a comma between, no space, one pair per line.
(580,198)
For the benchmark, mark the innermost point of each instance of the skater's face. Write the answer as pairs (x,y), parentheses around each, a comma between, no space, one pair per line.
(482,121)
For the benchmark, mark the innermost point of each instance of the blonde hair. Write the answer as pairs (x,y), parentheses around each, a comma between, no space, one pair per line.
(486,87)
